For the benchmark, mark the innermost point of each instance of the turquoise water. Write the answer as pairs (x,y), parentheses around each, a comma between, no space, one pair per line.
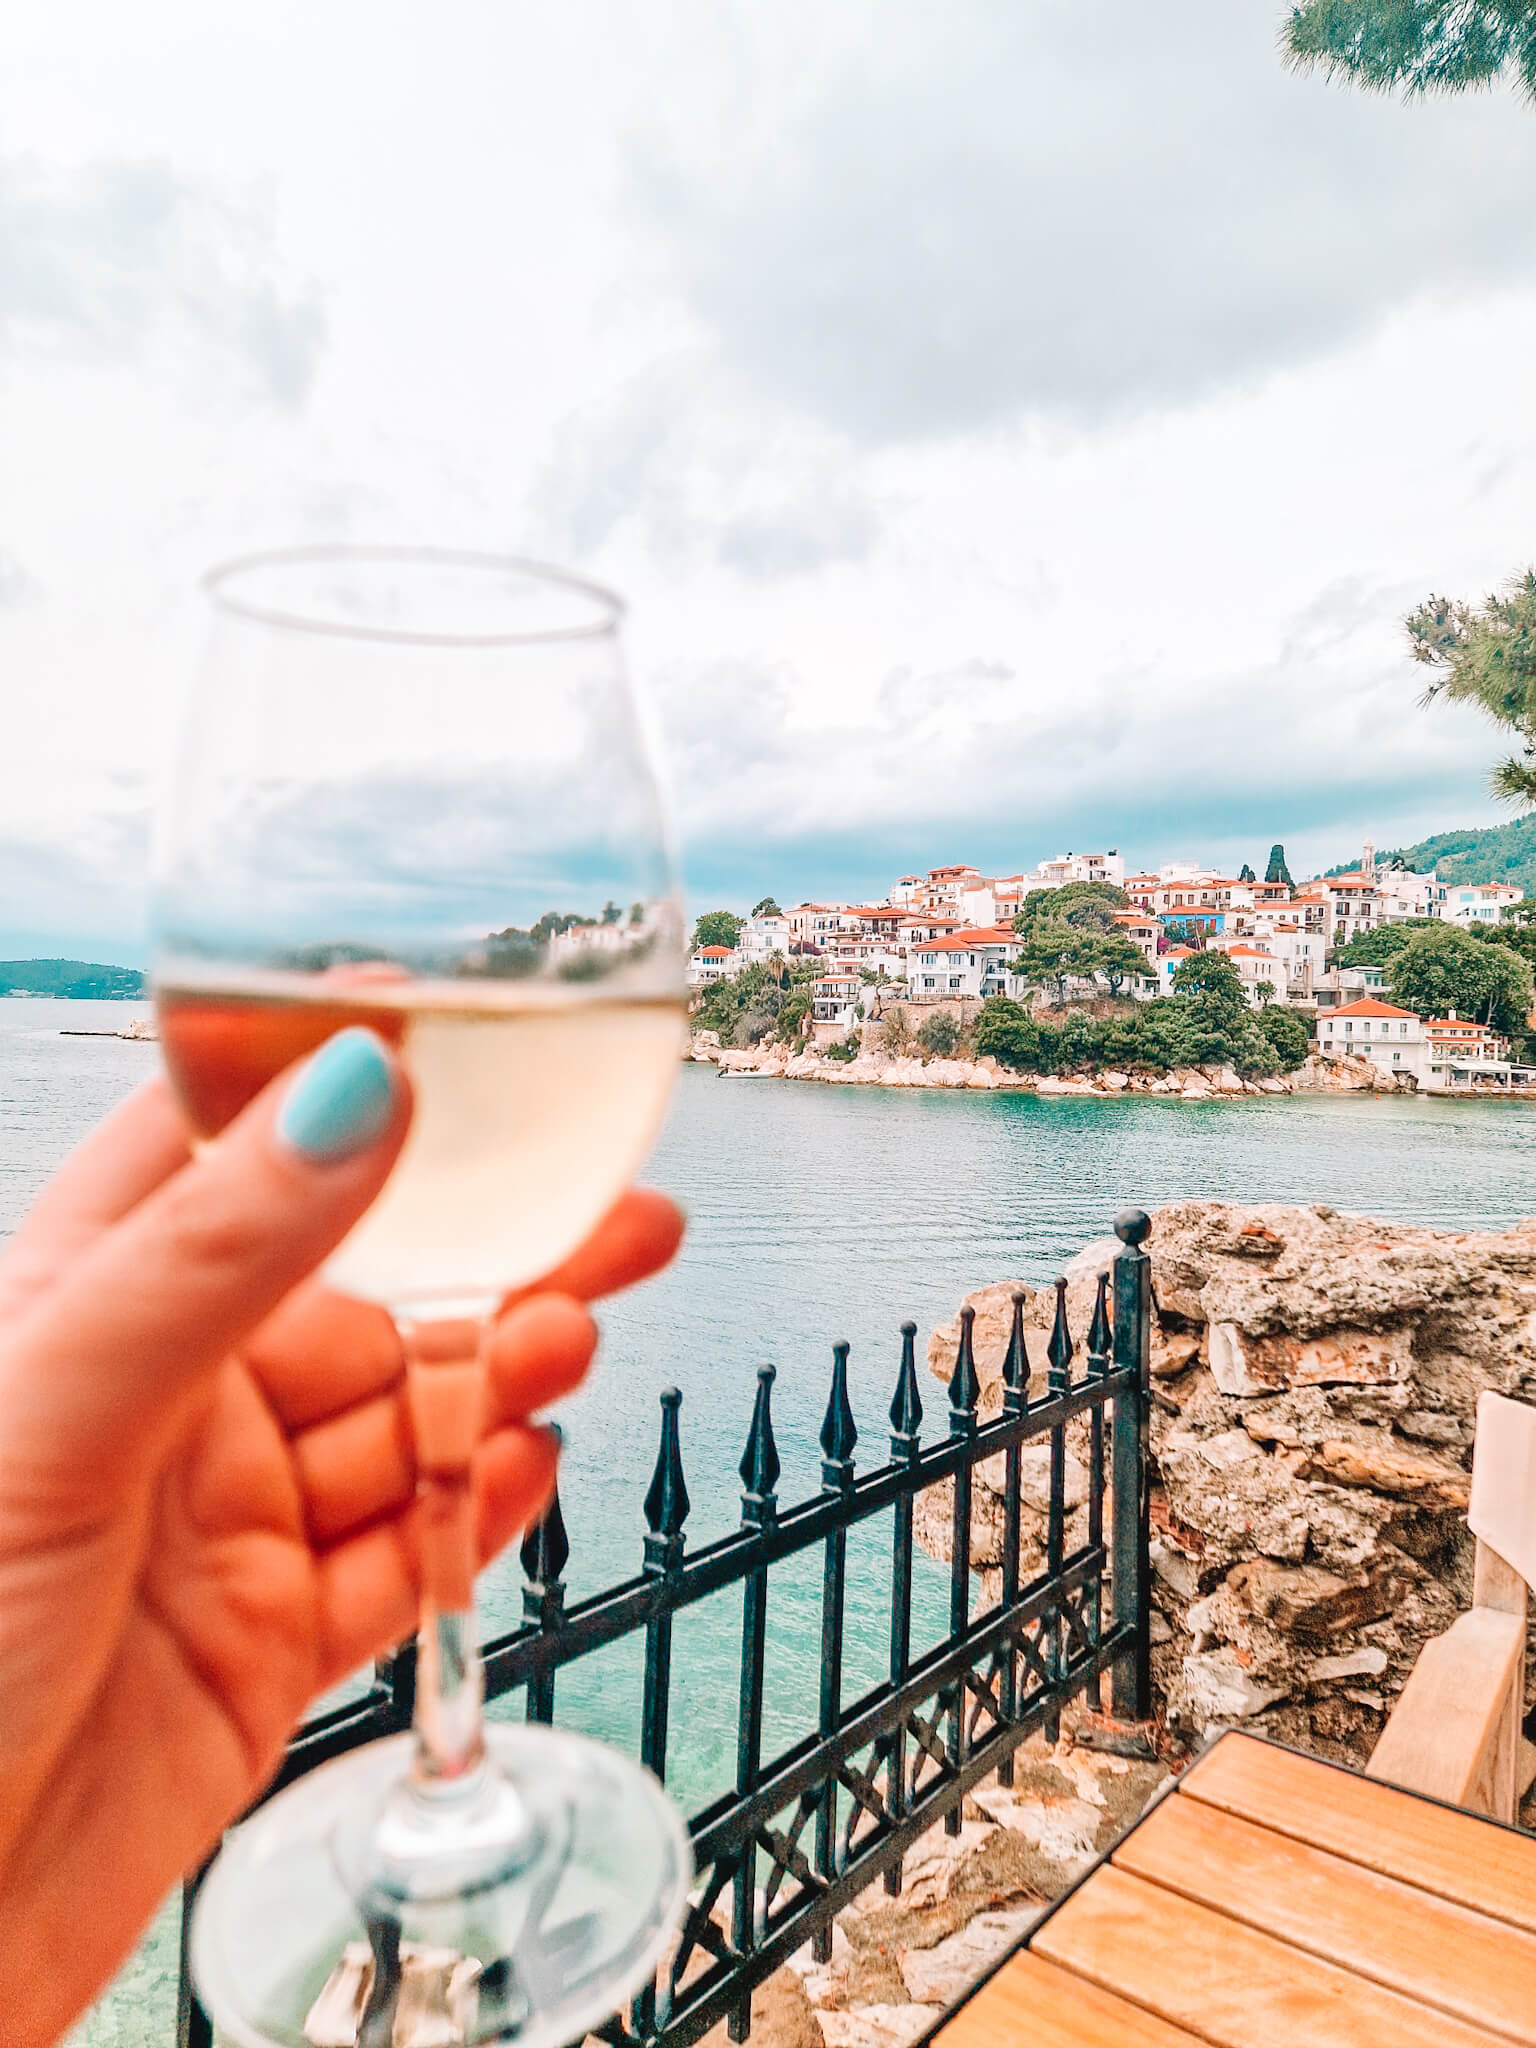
(817,1213)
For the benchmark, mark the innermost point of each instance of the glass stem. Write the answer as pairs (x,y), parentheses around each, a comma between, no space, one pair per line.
(445,1384)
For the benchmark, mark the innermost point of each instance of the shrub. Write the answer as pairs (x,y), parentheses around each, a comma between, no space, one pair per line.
(842,1049)
(939,1035)
(789,1025)
(1287,1033)
(1006,1031)
(896,1035)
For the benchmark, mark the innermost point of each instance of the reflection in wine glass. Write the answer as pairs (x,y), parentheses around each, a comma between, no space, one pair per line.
(415,794)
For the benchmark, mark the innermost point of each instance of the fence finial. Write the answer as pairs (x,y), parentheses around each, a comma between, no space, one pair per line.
(1099,1332)
(906,1404)
(666,1499)
(839,1433)
(1133,1227)
(1016,1362)
(759,1467)
(546,1548)
(1060,1349)
(964,1386)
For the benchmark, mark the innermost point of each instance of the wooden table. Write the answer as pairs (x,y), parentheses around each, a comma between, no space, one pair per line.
(1274,1901)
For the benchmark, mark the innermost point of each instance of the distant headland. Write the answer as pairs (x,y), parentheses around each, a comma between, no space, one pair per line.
(82,980)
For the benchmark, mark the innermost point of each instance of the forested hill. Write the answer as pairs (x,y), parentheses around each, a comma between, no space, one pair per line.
(83,978)
(1502,853)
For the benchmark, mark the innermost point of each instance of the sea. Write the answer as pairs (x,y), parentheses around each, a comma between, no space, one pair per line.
(816,1213)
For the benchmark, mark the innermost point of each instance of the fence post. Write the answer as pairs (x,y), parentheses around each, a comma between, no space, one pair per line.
(1130,1565)
(194,2029)
(666,1510)
(838,1438)
(1015,1401)
(964,1393)
(759,1470)
(906,1422)
(545,1551)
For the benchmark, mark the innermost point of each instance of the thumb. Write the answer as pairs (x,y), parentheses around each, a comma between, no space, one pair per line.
(94,1371)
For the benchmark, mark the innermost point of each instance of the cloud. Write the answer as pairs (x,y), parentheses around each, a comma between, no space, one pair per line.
(1077,208)
(88,893)
(16,586)
(120,262)
(707,476)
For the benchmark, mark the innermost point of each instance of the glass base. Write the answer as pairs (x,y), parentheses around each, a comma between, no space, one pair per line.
(319,1925)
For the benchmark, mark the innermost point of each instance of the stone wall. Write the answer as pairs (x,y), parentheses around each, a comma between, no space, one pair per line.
(1315,1381)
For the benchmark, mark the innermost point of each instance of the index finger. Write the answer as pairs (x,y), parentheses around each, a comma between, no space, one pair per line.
(638,1236)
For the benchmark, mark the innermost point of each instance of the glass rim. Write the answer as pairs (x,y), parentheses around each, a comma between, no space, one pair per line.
(608,606)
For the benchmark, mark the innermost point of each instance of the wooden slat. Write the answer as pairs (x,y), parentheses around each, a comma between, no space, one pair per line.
(1032,2004)
(1455,1731)
(1430,1950)
(1453,1855)
(1227,1983)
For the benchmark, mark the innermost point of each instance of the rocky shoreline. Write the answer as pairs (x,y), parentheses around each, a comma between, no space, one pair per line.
(1316,1076)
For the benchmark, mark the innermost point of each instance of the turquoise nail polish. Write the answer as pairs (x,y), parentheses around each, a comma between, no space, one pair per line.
(341,1100)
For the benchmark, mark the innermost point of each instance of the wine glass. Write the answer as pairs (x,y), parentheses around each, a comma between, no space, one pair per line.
(415,793)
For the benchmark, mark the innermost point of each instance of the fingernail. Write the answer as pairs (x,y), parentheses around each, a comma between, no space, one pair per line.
(341,1100)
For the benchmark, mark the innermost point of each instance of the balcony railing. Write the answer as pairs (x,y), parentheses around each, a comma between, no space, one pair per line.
(803,1831)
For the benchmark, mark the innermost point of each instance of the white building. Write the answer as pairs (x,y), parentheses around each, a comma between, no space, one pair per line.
(761,937)
(1390,1038)
(968,965)
(1403,894)
(712,963)
(1076,867)
(812,924)
(1351,904)
(1479,902)
(1334,988)
(585,939)
(835,997)
(1264,974)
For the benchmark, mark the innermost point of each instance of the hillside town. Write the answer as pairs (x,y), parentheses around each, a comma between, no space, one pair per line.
(953,937)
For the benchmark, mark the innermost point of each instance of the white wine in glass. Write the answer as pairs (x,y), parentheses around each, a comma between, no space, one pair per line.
(415,793)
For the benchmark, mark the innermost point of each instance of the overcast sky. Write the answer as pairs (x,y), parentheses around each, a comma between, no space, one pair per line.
(1015,428)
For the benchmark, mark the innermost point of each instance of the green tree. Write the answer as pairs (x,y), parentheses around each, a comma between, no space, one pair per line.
(1246,874)
(1287,1033)
(767,908)
(1166,1034)
(1088,906)
(1443,969)
(1055,955)
(1485,654)
(717,928)
(789,1026)
(1277,871)
(1215,990)
(1374,948)
(1081,1041)
(1416,46)
(939,1034)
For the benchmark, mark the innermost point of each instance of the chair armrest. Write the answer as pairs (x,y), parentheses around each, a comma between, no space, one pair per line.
(1455,1731)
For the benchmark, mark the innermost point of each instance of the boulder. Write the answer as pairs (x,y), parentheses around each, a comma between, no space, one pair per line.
(937,1976)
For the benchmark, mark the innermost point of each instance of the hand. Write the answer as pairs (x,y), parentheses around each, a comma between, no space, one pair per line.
(206,1489)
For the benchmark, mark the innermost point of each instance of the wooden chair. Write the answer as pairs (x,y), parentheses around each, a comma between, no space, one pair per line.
(1455,1732)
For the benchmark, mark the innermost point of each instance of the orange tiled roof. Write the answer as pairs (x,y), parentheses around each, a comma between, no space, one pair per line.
(1368,1006)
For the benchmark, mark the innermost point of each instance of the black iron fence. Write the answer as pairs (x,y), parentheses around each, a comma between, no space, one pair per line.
(803,1832)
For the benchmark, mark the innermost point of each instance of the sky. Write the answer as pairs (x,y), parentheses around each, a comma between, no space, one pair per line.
(1013,429)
